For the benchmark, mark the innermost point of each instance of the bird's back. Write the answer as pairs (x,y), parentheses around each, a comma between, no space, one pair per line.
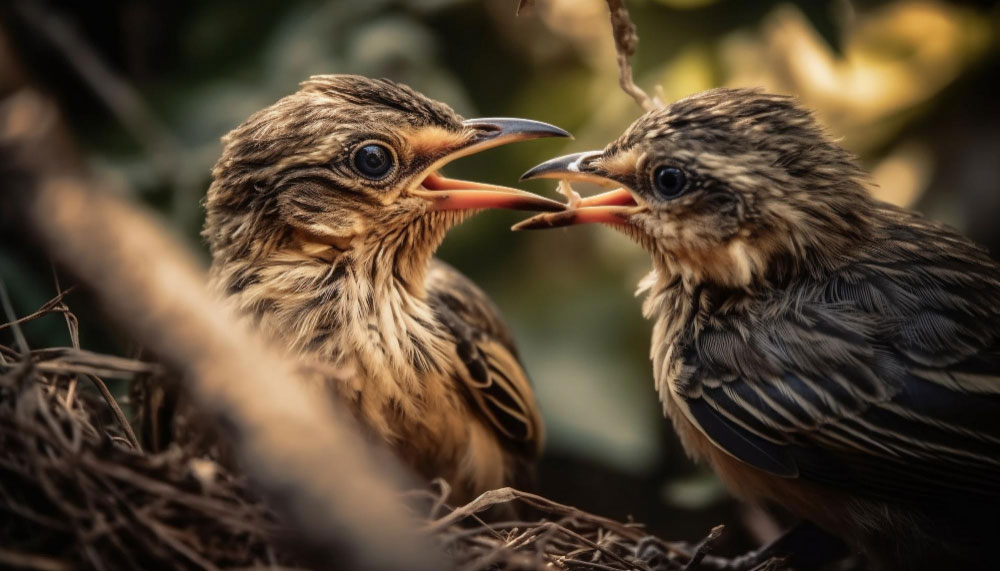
(879,381)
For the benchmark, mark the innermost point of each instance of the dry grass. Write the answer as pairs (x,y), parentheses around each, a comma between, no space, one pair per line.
(76,491)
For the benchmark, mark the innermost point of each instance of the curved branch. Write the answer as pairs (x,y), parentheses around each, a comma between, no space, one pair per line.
(336,491)
(626,43)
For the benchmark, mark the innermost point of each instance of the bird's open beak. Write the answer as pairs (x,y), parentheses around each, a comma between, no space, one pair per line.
(612,207)
(451,194)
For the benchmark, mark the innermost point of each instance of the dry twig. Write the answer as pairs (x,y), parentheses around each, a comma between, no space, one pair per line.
(626,43)
(73,495)
(564,538)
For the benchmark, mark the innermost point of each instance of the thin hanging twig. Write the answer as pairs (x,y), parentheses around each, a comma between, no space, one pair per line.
(626,43)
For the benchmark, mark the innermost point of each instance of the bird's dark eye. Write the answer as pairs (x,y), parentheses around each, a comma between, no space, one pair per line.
(373,161)
(669,182)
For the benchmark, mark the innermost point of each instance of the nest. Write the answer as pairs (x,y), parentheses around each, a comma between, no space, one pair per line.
(77,491)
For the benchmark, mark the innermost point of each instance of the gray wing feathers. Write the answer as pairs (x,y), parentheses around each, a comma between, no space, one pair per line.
(495,380)
(884,378)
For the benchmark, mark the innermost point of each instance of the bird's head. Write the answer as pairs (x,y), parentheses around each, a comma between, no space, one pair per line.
(352,162)
(719,185)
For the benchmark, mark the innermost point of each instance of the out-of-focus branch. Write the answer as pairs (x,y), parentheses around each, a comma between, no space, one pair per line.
(337,493)
(626,42)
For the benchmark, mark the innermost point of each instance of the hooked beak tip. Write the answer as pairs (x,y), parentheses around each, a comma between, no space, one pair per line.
(528,174)
(569,167)
(495,131)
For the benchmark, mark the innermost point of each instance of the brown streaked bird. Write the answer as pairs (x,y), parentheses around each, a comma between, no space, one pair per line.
(820,349)
(322,219)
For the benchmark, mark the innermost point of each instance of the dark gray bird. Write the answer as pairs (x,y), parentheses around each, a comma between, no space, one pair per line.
(323,218)
(821,350)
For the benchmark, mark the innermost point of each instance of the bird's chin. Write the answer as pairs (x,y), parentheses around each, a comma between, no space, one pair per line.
(447,219)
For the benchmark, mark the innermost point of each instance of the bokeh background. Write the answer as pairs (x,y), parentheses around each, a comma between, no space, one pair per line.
(150,86)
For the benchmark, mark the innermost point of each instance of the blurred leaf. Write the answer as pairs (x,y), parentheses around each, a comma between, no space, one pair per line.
(696,492)
(691,71)
(823,16)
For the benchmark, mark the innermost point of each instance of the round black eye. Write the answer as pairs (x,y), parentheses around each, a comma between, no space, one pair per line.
(670,182)
(373,161)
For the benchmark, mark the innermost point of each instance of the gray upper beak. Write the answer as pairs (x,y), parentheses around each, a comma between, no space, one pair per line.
(568,167)
(496,131)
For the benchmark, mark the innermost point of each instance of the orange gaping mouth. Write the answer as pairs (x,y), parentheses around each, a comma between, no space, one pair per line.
(437,181)
(453,194)
(481,134)
(612,207)
(616,207)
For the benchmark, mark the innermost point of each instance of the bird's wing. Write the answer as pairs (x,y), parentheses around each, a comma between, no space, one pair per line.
(885,380)
(496,382)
